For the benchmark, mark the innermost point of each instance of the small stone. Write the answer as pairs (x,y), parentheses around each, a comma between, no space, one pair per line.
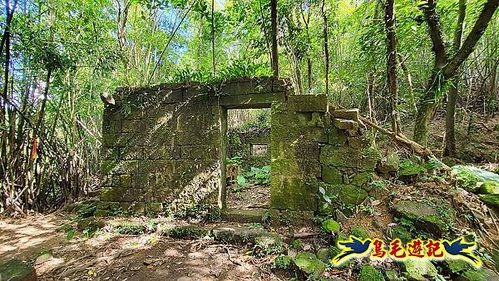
(43,258)
(310,264)
(324,254)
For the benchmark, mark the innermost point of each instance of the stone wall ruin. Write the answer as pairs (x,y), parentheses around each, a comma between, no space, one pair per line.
(164,147)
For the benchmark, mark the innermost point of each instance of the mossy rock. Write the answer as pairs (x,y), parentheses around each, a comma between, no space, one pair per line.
(489,187)
(490,199)
(495,257)
(419,269)
(458,266)
(392,275)
(432,216)
(185,232)
(331,226)
(331,175)
(401,233)
(269,244)
(409,168)
(325,255)
(309,264)
(16,270)
(348,194)
(482,274)
(389,165)
(370,273)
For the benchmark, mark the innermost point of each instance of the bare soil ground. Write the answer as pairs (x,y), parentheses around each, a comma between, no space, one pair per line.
(256,196)
(111,256)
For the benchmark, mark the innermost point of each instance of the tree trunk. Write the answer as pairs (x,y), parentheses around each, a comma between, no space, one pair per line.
(273,18)
(309,74)
(391,64)
(213,35)
(326,47)
(445,69)
(450,114)
(408,77)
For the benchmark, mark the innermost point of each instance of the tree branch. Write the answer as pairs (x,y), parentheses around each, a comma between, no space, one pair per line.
(476,33)
(433,21)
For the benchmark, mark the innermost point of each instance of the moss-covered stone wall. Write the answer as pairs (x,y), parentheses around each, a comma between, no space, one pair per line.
(165,146)
(162,146)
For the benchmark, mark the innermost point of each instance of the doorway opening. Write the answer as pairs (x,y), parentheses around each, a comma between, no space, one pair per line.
(247,158)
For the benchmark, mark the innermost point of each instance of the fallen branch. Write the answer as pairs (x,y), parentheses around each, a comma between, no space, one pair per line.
(401,139)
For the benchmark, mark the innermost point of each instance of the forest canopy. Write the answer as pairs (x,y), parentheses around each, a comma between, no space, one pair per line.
(59,56)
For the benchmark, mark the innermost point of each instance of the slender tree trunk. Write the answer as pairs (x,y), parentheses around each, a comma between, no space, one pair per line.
(445,69)
(275,55)
(450,114)
(391,64)
(213,35)
(326,47)
(408,77)
(309,74)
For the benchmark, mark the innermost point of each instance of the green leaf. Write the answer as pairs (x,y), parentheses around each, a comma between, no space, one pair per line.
(70,234)
(241,180)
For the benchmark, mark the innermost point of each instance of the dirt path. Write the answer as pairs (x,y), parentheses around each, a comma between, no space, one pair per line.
(111,256)
(28,237)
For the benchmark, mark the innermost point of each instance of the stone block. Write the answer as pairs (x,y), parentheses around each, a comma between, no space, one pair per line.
(154,207)
(308,103)
(199,152)
(348,194)
(363,179)
(109,153)
(161,97)
(125,167)
(336,136)
(345,124)
(246,87)
(107,166)
(120,194)
(331,175)
(193,92)
(293,193)
(358,142)
(264,100)
(350,114)
(110,140)
(16,270)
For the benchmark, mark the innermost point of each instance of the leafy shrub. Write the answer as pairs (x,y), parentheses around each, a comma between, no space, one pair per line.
(260,176)
(410,168)
(282,262)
